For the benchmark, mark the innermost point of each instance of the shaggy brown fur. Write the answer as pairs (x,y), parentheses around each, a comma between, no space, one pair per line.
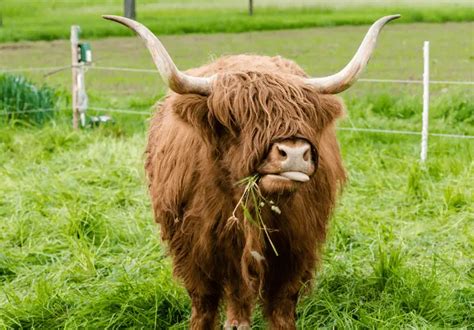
(198,149)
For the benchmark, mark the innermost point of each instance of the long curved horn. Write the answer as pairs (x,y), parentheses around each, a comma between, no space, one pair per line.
(176,80)
(344,79)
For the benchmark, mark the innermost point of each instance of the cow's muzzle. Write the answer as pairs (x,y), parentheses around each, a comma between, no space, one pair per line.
(289,162)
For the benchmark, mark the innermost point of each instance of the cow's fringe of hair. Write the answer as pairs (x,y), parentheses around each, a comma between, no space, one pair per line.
(259,108)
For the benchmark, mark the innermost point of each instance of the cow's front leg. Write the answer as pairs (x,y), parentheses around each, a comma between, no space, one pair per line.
(239,301)
(204,310)
(280,310)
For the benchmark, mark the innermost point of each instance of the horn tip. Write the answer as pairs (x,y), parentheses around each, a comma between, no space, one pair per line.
(392,17)
(118,19)
(109,17)
(384,20)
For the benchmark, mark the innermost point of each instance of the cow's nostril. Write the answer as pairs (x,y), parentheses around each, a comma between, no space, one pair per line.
(282,153)
(307,155)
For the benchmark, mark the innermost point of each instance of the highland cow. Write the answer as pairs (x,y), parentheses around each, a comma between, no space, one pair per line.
(238,117)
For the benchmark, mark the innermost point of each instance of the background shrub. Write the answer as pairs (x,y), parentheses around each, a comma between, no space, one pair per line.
(23,102)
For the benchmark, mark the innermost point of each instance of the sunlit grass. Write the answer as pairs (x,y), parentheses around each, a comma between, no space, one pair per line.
(79,248)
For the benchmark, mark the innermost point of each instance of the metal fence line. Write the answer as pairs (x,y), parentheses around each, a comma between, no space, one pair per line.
(399,81)
(388,131)
(420,82)
(353,129)
(152,71)
(113,68)
(452,135)
(138,70)
(51,68)
(378,130)
(6,113)
(129,111)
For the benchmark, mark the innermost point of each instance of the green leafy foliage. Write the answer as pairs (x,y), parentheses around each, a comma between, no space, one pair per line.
(22,101)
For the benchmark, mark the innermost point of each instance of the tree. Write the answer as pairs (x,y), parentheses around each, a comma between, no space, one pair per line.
(129,9)
(250,7)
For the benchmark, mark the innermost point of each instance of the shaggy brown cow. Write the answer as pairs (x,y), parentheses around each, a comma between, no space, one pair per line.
(237,117)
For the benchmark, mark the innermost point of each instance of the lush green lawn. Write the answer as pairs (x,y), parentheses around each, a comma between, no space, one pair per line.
(48,20)
(78,247)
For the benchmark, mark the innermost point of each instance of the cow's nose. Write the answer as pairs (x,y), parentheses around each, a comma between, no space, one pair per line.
(293,155)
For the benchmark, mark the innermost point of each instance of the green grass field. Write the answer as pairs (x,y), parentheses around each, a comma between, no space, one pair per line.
(78,247)
(49,20)
(320,51)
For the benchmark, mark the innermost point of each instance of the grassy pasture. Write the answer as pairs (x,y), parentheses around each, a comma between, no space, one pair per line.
(78,247)
(49,20)
(320,51)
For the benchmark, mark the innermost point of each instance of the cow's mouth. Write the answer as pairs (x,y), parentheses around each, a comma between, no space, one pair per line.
(282,182)
(290,176)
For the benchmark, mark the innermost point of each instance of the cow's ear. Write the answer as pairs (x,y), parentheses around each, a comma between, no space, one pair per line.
(193,109)
(330,108)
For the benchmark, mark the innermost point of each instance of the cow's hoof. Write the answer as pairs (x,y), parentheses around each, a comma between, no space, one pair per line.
(234,325)
(231,325)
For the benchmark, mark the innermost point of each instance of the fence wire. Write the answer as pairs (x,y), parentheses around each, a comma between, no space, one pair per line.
(353,129)
(152,71)
(389,131)
(401,81)
(139,70)
(46,68)
(6,113)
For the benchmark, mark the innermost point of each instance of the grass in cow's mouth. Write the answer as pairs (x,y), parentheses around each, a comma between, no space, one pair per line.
(252,199)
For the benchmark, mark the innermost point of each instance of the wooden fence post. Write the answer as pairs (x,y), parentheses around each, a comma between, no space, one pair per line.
(75,29)
(129,9)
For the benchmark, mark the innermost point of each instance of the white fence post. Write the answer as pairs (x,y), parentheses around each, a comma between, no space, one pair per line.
(75,29)
(426,100)
(82,99)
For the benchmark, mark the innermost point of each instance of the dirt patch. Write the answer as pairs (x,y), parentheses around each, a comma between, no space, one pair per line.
(14,46)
